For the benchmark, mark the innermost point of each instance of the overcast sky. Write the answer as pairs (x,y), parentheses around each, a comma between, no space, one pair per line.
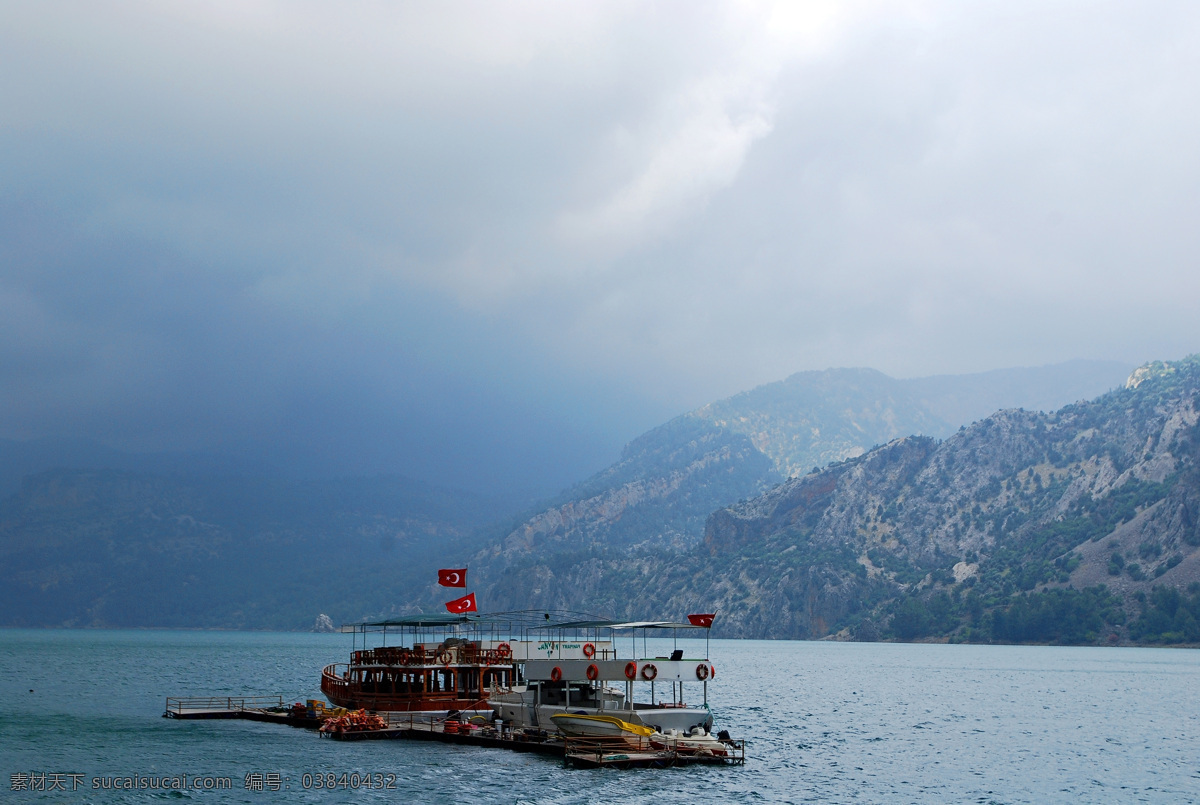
(487,243)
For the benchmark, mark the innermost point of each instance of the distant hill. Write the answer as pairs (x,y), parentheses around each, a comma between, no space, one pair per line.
(94,537)
(120,548)
(667,482)
(1078,526)
(20,459)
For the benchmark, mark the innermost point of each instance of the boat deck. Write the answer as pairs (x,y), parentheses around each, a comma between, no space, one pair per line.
(578,752)
(270,709)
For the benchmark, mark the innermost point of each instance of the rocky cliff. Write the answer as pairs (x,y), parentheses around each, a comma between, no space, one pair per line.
(1072,517)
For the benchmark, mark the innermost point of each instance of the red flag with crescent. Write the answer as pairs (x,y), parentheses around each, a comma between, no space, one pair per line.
(702,620)
(453,578)
(460,605)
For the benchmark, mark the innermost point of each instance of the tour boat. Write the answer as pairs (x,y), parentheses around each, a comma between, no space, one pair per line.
(430,675)
(522,669)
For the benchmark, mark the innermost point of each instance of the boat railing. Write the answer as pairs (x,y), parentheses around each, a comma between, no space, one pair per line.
(597,749)
(179,705)
(463,653)
(735,749)
(601,749)
(331,681)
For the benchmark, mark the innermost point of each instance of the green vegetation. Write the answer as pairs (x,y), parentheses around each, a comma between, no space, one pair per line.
(1056,616)
(1168,616)
(1062,616)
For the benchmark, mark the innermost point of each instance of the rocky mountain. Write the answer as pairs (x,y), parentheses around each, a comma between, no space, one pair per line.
(667,482)
(121,548)
(698,513)
(1081,525)
(814,418)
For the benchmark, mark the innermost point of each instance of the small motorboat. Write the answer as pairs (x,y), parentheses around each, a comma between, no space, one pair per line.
(697,741)
(581,725)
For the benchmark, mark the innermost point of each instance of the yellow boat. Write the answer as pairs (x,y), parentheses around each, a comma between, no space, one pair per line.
(578,725)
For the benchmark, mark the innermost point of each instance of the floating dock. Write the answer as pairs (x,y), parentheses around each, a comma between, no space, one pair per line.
(578,752)
(270,709)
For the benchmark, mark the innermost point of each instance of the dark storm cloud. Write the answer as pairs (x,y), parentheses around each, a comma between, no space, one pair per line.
(139,347)
(475,241)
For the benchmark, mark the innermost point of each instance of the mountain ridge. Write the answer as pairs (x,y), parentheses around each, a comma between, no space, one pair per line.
(669,479)
(682,495)
(1078,526)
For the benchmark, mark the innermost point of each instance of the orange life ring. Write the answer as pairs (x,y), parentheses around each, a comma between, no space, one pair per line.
(649,672)
(712,671)
(631,670)
(702,672)
(504,650)
(589,650)
(556,674)
(593,673)
(445,657)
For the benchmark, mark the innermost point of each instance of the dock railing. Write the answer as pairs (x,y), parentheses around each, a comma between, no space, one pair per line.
(602,750)
(179,705)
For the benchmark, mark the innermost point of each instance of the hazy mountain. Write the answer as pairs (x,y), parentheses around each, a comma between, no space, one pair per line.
(118,548)
(670,479)
(179,540)
(813,418)
(20,459)
(1081,525)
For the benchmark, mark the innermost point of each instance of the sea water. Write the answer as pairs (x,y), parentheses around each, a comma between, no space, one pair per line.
(824,722)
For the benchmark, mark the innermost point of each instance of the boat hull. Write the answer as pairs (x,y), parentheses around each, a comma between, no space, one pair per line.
(700,743)
(577,725)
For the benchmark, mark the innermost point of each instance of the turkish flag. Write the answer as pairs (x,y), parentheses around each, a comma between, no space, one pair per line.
(453,578)
(460,605)
(702,620)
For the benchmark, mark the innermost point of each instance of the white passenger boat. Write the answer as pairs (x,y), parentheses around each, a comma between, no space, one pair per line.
(585,675)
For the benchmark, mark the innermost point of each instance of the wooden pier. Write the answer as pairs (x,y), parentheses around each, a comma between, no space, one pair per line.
(577,752)
(270,709)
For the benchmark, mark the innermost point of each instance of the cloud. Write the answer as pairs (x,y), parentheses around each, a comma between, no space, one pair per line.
(243,222)
(698,150)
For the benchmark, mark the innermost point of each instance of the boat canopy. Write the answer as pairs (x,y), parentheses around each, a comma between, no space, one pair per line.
(437,620)
(431,620)
(621,625)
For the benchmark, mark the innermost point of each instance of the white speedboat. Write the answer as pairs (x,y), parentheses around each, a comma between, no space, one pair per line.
(698,741)
(579,725)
